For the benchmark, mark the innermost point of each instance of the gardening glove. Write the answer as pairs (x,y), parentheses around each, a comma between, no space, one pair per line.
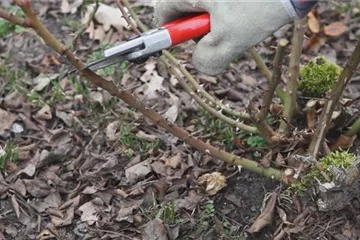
(235,26)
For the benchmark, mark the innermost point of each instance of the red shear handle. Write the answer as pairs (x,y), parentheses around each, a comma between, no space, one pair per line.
(188,28)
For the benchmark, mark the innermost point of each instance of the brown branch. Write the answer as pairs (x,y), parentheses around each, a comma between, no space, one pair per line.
(128,98)
(83,28)
(333,99)
(14,19)
(139,23)
(291,87)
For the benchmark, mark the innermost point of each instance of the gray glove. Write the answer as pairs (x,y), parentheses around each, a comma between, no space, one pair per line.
(235,27)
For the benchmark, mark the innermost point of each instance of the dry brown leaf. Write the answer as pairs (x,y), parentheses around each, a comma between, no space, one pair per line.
(335,29)
(43,80)
(214,182)
(67,118)
(126,212)
(44,113)
(313,23)
(266,160)
(89,212)
(266,217)
(343,142)
(6,120)
(65,219)
(72,8)
(144,136)
(99,34)
(174,161)
(190,202)
(138,171)
(37,188)
(19,187)
(112,133)
(154,230)
(53,200)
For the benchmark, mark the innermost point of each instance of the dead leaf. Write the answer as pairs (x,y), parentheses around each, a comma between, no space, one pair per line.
(190,202)
(108,16)
(53,200)
(335,29)
(343,142)
(99,34)
(43,80)
(89,212)
(70,8)
(6,120)
(67,118)
(44,113)
(15,205)
(214,182)
(19,187)
(266,217)
(148,137)
(126,212)
(174,162)
(280,160)
(266,160)
(37,188)
(172,113)
(112,133)
(65,219)
(154,230)
(13,100)
(313,23)
(138,171)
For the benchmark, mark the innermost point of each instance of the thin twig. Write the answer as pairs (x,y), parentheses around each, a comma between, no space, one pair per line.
(198,89)
(126,17)
(83,28)
(291,87)
(265,71)
(139,23)
(132,101)
(208,108)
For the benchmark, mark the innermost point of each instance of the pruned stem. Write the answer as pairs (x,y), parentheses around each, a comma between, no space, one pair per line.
(291,87)
(128,98)
(275,79)
(354,129)
(333,99)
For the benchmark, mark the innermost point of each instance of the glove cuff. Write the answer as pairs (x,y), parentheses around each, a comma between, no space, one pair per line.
(298,9)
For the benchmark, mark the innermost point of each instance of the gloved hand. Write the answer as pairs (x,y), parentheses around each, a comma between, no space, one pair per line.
(235,27)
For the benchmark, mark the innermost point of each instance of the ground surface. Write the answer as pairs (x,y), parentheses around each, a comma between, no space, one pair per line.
(74,170)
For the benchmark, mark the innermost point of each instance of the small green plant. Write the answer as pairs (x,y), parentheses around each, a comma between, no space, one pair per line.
(8,154)
(337,159)
(168,213)
(6,27)
(317,77)
(130,140)
(256,141)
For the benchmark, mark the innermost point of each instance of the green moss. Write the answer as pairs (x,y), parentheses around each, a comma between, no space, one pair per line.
(336,159)
(317,77)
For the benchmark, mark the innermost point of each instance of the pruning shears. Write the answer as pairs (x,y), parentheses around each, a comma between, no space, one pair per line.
(152,42)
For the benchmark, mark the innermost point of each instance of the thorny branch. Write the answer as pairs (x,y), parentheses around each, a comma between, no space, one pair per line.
(126,17)
(128,98)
